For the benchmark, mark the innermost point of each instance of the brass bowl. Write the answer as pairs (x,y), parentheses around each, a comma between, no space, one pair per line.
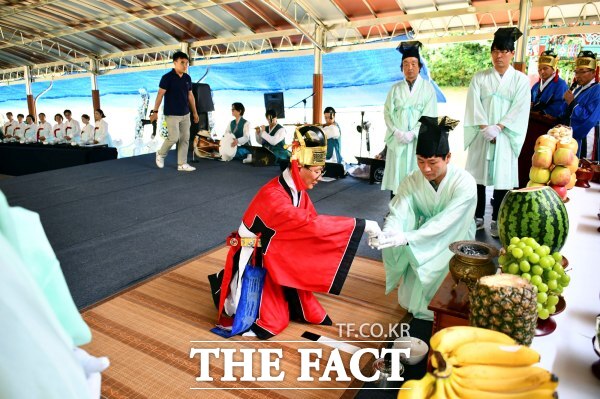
(471,261)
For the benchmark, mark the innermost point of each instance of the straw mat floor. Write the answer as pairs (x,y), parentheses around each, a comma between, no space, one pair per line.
(147,332)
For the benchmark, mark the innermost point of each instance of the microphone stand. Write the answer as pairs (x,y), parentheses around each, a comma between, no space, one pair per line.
(304,102)
(362,128)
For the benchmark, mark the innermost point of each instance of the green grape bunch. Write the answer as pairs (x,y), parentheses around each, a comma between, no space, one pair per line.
(525,257)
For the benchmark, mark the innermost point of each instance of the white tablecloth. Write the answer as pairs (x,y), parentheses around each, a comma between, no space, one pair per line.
(568,351)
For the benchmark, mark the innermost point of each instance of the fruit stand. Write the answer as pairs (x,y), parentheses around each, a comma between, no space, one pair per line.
(567,351)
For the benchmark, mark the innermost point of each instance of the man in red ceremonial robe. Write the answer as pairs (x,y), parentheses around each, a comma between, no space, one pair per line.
(302,252)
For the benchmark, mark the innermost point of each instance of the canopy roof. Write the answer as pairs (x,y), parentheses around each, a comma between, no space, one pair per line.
(62,38)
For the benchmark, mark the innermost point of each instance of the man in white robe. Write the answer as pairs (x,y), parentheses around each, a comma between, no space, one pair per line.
(44,129)
(19,130)
(433,207)
(30,131)
(496,119)
(406,102)
(9,126)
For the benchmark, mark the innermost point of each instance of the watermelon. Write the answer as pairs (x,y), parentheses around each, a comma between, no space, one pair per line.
(536,212)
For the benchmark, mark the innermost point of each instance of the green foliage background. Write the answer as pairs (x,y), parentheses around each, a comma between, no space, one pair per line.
(455,64)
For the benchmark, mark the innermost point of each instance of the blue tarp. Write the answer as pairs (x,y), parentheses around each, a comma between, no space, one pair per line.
(375,69)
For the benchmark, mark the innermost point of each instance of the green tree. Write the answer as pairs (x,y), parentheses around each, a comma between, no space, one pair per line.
(455,64)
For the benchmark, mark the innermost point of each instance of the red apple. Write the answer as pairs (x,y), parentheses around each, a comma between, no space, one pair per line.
(560,176)
(569,143)
(546,141)
(563,156)
(542,158)
(539,175)
(561,191)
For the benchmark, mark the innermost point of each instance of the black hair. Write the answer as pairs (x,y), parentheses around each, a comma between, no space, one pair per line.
(67,110)
(271,114)
(41,113)
(86,116)
(502,46)
(239,107)
(180,54)
(329,110)
(21,115)
(32,117)
(443,156)
(101,113)
(9,113)
(59,115)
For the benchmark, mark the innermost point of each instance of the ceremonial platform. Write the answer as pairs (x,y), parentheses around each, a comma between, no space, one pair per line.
(148,332)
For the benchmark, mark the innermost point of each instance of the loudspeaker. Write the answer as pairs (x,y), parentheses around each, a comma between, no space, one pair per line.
(203,97)
(335,170)
(275,101)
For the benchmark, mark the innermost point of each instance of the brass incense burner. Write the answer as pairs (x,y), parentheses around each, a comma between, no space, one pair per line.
(471,260)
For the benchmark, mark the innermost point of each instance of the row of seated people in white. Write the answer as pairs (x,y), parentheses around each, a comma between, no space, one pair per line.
(67,131)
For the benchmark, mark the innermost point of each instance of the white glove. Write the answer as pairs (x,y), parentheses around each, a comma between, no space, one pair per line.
(372,228)
(409,136)
(404,137)
(391,239)
(398,134)
(490,132)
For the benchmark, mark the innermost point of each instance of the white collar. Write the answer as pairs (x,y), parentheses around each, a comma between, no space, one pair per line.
(547,82)
(287,176)
(580,89)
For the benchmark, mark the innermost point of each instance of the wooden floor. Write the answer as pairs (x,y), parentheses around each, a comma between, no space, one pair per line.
(147,333)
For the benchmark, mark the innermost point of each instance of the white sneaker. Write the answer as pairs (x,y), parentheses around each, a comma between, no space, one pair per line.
(186,168)
(494,229)
(248,159)
(160,161)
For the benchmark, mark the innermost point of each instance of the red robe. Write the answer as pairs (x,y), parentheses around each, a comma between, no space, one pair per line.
(302,252)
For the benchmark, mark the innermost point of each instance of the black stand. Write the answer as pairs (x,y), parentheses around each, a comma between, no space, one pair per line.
(304,102)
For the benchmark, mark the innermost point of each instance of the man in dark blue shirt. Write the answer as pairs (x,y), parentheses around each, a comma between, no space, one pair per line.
(176,88)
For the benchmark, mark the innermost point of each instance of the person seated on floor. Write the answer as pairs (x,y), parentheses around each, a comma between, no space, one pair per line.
(41,326)
(283,218)
(101,135)
(334,136)
(30,131)
(433,207)
(240,129)
(87,130)
(272,137)
(18,131)
(58,130)
(44,129)
(72,129)
(9,126)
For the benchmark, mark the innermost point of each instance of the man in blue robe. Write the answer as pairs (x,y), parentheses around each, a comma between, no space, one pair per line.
(583,105)
(547,94)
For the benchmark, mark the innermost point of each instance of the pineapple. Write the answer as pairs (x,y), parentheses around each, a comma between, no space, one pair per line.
(505,303)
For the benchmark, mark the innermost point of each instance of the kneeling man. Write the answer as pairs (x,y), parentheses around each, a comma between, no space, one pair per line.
(434,206)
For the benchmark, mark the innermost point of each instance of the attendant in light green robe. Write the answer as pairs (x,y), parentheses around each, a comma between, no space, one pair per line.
(433,207)
(406,102)
(37,358)
(496,119)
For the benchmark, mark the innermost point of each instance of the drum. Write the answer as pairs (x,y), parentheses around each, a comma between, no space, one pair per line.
(225,149)
(206,147)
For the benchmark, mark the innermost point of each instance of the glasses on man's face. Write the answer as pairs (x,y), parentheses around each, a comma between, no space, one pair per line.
(317,172)
(583,72)
(500,52)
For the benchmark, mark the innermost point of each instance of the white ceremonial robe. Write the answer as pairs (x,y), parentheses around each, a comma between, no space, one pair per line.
(19,131)
(30,133)
(332,131)
(87,133)
(58,132)
(101,134)
(430,220)
(9,127)
(73,130)
(44,130)
(492,100)
(402,110)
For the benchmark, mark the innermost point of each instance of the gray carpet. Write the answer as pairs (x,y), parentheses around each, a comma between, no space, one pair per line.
(115,223)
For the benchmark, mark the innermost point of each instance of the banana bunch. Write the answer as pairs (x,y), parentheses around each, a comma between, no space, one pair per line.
(476,363)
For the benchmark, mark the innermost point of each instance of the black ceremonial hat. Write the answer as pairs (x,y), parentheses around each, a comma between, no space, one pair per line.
(433,136)
(409,49)
(505,38)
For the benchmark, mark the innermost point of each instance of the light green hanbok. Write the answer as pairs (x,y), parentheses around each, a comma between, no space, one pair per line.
(431,220)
